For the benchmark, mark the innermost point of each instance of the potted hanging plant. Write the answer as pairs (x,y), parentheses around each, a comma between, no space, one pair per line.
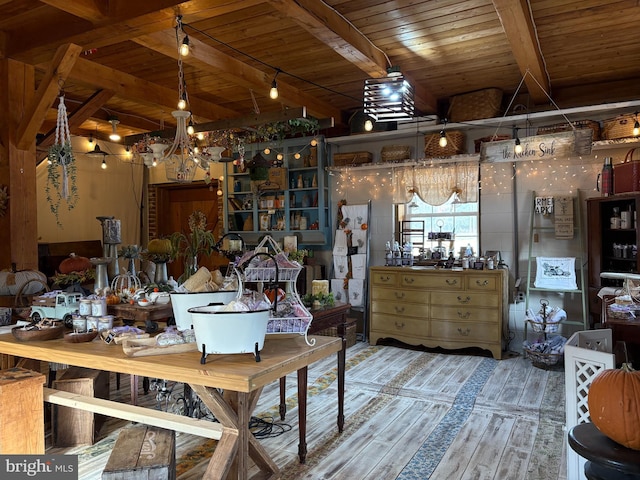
(61,171)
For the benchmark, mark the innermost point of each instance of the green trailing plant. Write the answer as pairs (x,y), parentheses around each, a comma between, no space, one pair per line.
(61,179)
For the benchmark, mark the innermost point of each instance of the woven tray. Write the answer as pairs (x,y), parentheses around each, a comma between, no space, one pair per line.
(455,144)
(395,153)
(565,127)
(486,103)
(619,127)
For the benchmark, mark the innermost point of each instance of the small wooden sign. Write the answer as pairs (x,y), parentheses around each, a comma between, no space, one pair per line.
(539,147)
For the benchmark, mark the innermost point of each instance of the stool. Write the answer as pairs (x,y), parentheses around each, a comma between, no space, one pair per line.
(73,427)
(22,412)
(607,460)
(142,452)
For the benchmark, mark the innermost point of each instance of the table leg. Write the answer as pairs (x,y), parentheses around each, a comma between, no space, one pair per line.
(283,398)
(342,355)
(302,413)
(134,389)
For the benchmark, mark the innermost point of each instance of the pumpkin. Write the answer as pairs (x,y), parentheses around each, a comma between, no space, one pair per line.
(74,263)
(113,299)
(159,246)
(614,405)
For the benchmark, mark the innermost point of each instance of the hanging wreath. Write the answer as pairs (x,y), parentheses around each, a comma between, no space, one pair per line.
(61,171)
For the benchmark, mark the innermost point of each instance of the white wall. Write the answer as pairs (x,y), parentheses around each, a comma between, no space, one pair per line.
(505,209)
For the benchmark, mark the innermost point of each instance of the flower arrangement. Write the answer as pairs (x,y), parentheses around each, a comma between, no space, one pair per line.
(199,241)
(298,255)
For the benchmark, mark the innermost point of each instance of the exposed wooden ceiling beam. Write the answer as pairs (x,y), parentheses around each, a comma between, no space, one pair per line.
(136,89)
(209,59)
(59,68)
(80,115)
(331,28)
(521,35)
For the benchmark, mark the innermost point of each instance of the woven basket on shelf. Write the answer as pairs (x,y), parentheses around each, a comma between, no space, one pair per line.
(565,127)
(395,153)
(619,127)
(486,103)
(455,144)
(491,138)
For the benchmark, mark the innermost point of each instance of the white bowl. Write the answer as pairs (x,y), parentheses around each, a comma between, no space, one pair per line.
(182,302)
(143,302)
(159,298)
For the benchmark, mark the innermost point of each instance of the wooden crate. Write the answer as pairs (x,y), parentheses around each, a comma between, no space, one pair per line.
(142,452)
(72,427)
(350,335)
(21,415)
(352,158)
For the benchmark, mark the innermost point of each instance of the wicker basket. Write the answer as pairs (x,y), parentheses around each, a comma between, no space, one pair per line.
(565,127)
(352,158)
(486,103)
(619,127)
(492,138)
(542,360)
(455,144)
(395,153)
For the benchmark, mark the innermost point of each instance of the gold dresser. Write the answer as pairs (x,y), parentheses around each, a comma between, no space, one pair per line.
(439,308)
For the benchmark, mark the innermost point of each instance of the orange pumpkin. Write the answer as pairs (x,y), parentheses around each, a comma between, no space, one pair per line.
(614,405)
(74,263)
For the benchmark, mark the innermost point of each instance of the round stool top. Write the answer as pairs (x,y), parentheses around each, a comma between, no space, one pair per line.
(592,444)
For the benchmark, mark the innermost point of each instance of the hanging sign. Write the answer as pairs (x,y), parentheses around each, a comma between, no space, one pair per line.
(539,147)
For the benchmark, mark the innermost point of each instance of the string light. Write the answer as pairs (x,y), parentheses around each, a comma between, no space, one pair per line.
(184,47)
(104,164)
(443,135)
(273,93)
(190,128)
(368,125)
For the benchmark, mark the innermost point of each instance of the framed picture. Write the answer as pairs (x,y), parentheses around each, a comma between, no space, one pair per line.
(556,273)
(478,265)
(290,243)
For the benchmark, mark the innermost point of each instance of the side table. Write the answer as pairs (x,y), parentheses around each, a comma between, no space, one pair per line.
(606,459)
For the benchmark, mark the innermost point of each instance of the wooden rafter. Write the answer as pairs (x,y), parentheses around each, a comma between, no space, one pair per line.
(333,30)
(520,30)
(209,59)
(49,88)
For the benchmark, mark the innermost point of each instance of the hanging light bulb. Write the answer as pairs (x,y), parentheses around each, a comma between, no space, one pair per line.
(280,156)
(190,128)
(114,136)
(297,156)
(184,47)
(104,164)
(267,151)
(368,125)
(155,162)
(200,136)
(443,139)
(518,147)
(314,142)
(273,93)
(182,103)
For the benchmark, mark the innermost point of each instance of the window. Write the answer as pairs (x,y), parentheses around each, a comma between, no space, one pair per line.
(459,218)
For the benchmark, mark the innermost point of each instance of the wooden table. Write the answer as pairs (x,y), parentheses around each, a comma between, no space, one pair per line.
(606,459)
(323,318)
(239,376)
(150,315)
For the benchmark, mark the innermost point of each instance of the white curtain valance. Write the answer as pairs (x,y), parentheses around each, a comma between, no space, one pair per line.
(435,184)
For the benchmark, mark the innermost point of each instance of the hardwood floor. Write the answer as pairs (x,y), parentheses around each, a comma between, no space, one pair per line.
(409,415)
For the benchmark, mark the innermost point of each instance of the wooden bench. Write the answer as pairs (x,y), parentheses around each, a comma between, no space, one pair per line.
(142,452)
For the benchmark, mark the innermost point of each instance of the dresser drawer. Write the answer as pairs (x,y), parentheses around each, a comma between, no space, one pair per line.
(469,298)
(466,313)
(400,295)
(465,331)
(446,281)
(400,308)
(393,324)
(483,283)
(384,278)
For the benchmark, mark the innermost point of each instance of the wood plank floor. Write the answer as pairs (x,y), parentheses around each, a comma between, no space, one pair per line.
(409,415)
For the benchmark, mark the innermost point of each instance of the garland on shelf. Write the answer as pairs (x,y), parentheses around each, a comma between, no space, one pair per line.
(61,171)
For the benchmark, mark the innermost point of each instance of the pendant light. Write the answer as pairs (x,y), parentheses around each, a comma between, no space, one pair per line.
(114,136)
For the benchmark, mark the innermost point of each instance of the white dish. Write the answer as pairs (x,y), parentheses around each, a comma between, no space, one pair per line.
(182,302)
(145,303)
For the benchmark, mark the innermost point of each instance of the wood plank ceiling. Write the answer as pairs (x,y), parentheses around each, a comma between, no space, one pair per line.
(583,52)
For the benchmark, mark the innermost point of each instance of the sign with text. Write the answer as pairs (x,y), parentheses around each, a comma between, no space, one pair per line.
(539,147)
(44,467)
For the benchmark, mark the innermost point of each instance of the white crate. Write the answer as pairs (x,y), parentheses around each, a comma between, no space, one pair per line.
(586,353)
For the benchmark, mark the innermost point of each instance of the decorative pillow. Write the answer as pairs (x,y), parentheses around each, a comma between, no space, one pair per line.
(557,273)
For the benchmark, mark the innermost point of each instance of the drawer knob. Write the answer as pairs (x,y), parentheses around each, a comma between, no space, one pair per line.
(482,283)
(464,333)
(464,315)
(399,295)
(384,278)
(409,280)
(451,282)
(464,300)
(399,309)
(399,326)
